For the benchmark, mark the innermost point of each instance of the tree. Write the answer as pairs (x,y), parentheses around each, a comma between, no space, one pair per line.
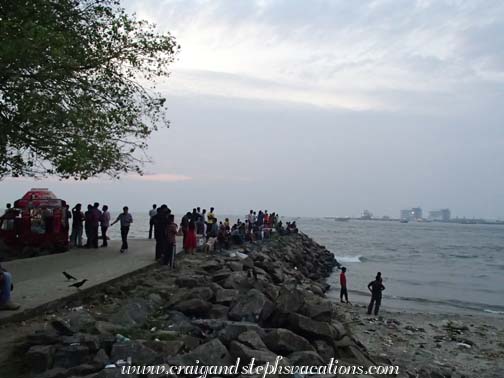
(76,98)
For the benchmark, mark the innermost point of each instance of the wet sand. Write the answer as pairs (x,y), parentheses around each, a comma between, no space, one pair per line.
(458,345)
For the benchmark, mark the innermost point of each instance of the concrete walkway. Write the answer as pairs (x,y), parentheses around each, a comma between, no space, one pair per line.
(39,282)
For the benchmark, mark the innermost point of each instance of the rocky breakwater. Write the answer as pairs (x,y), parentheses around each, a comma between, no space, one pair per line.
(256,302)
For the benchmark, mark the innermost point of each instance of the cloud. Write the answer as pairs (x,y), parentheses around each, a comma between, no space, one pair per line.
(160,177)
(339,54)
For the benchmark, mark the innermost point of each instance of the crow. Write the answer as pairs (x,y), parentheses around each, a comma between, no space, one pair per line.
(69,276)
(78,284)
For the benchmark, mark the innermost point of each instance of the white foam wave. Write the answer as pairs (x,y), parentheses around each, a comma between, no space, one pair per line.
(348,259)
(493,312)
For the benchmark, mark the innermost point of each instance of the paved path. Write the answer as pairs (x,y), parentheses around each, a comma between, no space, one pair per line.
(39,281)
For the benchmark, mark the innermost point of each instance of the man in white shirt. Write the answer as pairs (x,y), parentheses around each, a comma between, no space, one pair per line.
(152,213)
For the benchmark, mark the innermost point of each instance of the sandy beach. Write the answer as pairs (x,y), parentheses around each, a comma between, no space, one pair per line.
(456,345)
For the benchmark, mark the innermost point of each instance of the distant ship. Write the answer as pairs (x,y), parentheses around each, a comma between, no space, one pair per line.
(342,219)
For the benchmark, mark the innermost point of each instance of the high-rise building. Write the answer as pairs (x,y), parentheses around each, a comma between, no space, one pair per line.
(413,214)
(440,215)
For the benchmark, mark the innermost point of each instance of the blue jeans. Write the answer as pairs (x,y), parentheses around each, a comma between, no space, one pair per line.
(5,292)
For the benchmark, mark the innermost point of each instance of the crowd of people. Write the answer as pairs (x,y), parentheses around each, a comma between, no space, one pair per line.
(199,230)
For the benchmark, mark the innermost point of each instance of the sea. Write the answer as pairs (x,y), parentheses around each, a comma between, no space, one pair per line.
(426,267)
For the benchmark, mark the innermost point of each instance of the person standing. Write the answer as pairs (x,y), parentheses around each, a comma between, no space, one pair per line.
(211,215)
(5,291)
(77,219)
(343,284)
(190,242)
(152,213)
(171,250)
(125,220)
(88,220)
(375,287)
(160,221)
(104,223)
(95,224)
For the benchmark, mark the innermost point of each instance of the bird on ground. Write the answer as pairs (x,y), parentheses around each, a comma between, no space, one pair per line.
(78,284)
(69,276)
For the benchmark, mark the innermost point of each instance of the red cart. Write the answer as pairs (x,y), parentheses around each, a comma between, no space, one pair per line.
(37,220)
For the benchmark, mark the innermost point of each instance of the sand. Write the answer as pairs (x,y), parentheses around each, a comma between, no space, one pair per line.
(463,345)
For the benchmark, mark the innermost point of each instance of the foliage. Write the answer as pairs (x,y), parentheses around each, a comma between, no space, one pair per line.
(74,100)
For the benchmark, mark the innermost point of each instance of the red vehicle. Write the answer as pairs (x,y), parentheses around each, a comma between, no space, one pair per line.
(37,220)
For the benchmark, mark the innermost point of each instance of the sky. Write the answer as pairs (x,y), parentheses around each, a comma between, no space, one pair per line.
(321,108)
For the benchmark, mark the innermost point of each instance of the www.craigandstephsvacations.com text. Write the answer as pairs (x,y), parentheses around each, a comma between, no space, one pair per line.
(263,370)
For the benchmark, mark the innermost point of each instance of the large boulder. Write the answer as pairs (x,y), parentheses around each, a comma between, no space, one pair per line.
(39,358)
(245,353)
(139,353)
(252,307)
(212,353)
(71,355)
(134,312)
(306,358)
(252,340)
(318,309)
(284,342)
(226,296)
(193,307)
(310,328)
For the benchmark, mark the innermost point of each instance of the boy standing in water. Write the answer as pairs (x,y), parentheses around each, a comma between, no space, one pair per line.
(342,280)
(375,287)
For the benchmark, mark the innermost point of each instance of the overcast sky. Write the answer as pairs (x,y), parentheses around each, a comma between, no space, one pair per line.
(322,108)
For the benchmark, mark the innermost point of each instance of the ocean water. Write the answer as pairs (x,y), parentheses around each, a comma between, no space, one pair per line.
(426,267)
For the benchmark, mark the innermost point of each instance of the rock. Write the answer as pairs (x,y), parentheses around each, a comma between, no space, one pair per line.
(176,321)
(84,369)
(45,337)
(113,373)
(40,358)
(231,330)
(226,296)
(237,280)
(107,328)
(101,358)
(140,354)
(81,321)
(235,266)
(106,342)
(289,301)
(193,307)
(246,354)
(211,353)
(190,342)
(166,348)
(218,312)
(306,358)
(284,342)
(252,340)
(71,355)
(253,307)
(190,281)
(325,350)
(155,299)
(204,293)
(62,327)
(134,313)
(345,341)
(320,310)
(338,329)
(310,328)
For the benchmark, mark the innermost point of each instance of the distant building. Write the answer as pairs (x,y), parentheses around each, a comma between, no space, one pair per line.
(413,214)
(440,215)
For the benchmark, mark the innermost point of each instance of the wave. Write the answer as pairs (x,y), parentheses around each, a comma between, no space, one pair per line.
(349,259)
(493,311)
